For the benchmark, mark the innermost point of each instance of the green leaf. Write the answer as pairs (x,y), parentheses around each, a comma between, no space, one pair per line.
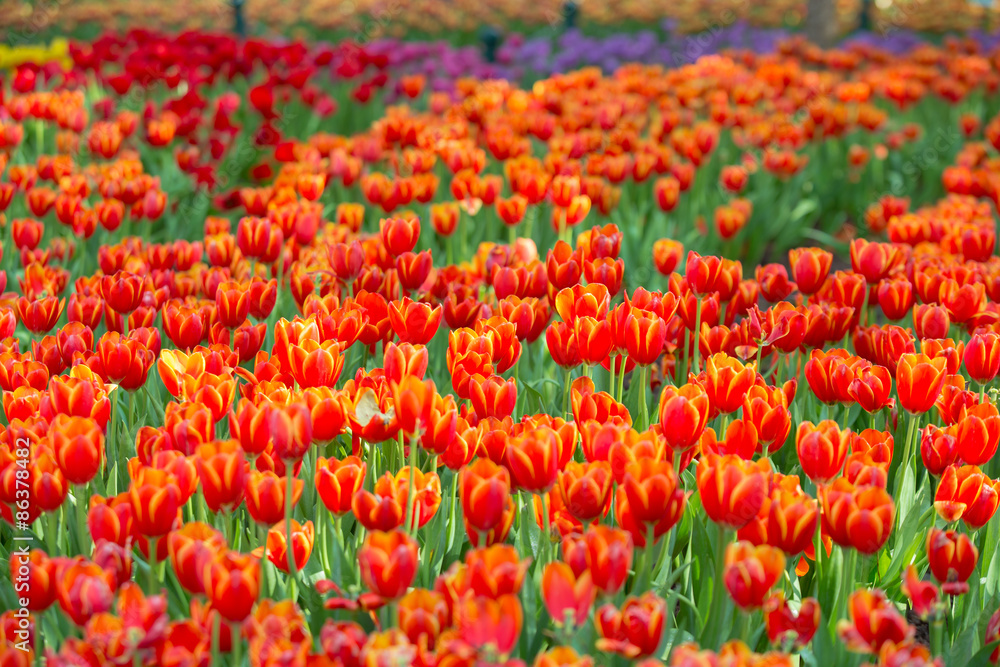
(964,647)
(801,210)
(905,501)
(982,657)
(990,556)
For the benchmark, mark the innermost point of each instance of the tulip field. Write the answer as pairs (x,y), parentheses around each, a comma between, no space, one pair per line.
(311,357)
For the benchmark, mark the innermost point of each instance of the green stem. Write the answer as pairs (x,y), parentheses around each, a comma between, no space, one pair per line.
(547,537)
(639,582)
(236,629)
(643,408)
(907,453)
(717,612)
(451,511)
(289,551)
(850,557)
(611,376)
(697,337)
(81,518)
(740,627)
(411,493)
(517,382)
(152,565)
(566,387)
(216,627)
(937,636)
(621,382)
(113,446)
(52,532)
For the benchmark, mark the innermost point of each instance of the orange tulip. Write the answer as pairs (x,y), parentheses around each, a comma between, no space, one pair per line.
(484,622)
(36,573)
(484,488)
(266,496)
(586,489)
(635,630)
(232,584)
(750,572)
(413,321)
(222,471)
(423,615)
(667,255)
(190,547)
(871,387)
(338,481)
(727,381)
(79,447)
(919,381)
(982,357)
(156,499)
(567,597)
(860,518)
(822,449)
(493,571)
(683,415)
(533,459)
(302,544)
(952,558)
(732,490)
(83,589)
(399,235)
(388,563)
(783,625)
(650,501)
(968,494)
(291,430)
(792,517)
(874,623)
(810,267)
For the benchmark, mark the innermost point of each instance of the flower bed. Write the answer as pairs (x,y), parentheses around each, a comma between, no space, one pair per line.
(308,362)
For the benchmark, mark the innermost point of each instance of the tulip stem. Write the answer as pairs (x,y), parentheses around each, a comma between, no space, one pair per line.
(566,387)
(621,380)
(937,635)
(697,336)
(152,564)
(547,537)
(216,623)
(52,531)
(718,594)
(850,564)
(611,376)
(643,408)
(907,452)
(112,443)
(235,630)
(411,495)
(740,626)
(81,518)
(289,549)
(451,511)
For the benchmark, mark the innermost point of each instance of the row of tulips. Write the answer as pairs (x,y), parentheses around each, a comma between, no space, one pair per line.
(370,18)
(261,445)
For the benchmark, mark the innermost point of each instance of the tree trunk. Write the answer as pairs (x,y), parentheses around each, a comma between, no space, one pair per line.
(821,22)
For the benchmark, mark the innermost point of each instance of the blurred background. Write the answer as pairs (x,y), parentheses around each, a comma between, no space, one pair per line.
(463,21)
